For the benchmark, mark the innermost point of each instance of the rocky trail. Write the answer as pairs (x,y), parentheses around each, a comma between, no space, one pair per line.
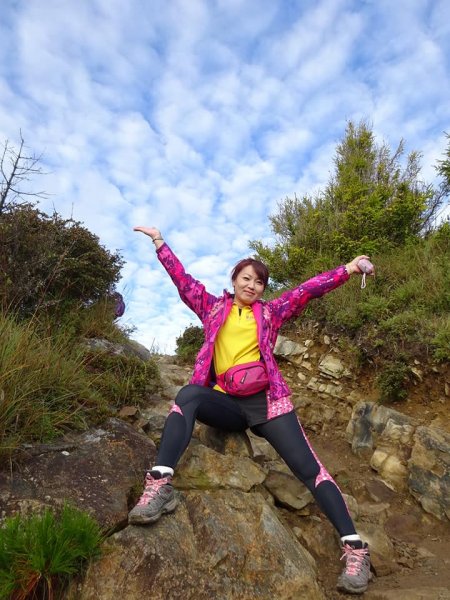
(245,527)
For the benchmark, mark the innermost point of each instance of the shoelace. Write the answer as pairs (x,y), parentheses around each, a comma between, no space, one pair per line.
(355,558)
(363,281)
(151,488)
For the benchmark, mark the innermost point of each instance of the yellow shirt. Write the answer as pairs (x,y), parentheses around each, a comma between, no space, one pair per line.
(237,340)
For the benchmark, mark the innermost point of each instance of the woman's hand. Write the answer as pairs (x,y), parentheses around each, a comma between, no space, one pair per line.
(352,267)
(152,232)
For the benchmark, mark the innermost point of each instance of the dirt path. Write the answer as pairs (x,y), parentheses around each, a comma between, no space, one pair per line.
(421,568)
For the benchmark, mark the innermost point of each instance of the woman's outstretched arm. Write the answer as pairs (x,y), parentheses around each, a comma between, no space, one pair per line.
(192,292)
(291,303)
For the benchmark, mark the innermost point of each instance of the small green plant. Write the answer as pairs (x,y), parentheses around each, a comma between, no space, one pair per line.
(39,553)
(189,343)
(441,342)
(393,380)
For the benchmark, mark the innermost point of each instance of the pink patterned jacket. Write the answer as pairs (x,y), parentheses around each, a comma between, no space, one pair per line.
(269,316)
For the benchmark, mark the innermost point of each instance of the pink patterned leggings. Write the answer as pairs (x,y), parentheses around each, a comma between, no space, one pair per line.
(284,433)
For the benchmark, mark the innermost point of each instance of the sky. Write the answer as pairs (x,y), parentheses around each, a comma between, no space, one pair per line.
(199,116)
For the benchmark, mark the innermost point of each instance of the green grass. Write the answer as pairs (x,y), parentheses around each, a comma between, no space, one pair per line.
(405,306)
(39,553)
(43,384)
(50,382)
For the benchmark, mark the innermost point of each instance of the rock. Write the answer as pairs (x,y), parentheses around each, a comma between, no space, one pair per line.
(96,473)
(287,489)
(352,505)
(404,526)
(371,421)
(379,491)
(288,349)
(224,442)
(261,449)
(333,367)
(381,547)
(429,477)
(138,350)
(129,413)
(315,536)
(375,513)
(390,468)
(204,468)
(129,348)
(223,544)
(359,428)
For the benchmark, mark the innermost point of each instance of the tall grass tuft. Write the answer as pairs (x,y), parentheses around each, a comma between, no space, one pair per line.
(39,553)
(44,388)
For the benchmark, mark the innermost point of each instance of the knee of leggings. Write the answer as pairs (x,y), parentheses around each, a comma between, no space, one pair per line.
(307,474)
(186,394)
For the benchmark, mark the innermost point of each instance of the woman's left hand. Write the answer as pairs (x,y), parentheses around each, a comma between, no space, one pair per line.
(352,267)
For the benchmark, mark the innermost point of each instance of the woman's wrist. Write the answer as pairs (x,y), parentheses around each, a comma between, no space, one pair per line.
(158,241)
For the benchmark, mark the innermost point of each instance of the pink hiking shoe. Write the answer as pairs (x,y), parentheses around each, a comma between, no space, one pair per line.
(354,579)
(158,498)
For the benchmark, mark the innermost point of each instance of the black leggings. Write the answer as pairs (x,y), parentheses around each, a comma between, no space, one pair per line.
(284,433)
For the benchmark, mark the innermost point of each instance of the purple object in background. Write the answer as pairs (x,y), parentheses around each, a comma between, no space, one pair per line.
(119,308)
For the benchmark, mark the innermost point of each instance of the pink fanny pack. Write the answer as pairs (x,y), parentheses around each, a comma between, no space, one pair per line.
(244,380)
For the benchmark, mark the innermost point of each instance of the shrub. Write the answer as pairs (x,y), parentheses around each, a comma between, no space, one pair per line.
(189,343)
(50,262)
(39,553)
(393,380)
(441,342)
(123,379)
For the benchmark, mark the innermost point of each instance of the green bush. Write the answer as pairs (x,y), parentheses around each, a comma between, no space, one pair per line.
(375,201)
(48,262)
(123,379)
(189,343)
(441,342)
(39,553)
(393,381)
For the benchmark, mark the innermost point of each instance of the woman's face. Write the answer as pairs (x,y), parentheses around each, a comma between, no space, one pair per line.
(248,287)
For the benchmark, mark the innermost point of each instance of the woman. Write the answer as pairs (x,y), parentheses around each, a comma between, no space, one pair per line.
(241,329)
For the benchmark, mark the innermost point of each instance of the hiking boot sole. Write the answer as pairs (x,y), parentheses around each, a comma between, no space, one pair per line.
(139,519)
(349,589)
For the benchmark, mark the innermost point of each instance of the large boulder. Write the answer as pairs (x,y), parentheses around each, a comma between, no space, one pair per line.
(96,471)
(429,475)
(218,544)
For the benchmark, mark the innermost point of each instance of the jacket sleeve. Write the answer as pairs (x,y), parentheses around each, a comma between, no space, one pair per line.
(192,292)
(291,303)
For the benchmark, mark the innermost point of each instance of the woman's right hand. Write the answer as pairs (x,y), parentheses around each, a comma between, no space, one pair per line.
(152,232)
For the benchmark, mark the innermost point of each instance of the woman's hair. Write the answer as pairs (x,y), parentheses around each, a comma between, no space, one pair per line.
(260,269)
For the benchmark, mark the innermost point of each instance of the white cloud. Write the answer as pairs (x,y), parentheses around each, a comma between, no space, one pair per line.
(198,117)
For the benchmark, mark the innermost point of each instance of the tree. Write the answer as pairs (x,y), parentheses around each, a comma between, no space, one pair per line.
(16,168)
(45,261)
(371,203)
(443,169)
(50,262)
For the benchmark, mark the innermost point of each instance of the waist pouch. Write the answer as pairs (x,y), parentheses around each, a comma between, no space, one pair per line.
(244,380)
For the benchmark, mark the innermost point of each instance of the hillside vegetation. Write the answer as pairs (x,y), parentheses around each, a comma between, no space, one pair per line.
(375,203)
(58,288)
